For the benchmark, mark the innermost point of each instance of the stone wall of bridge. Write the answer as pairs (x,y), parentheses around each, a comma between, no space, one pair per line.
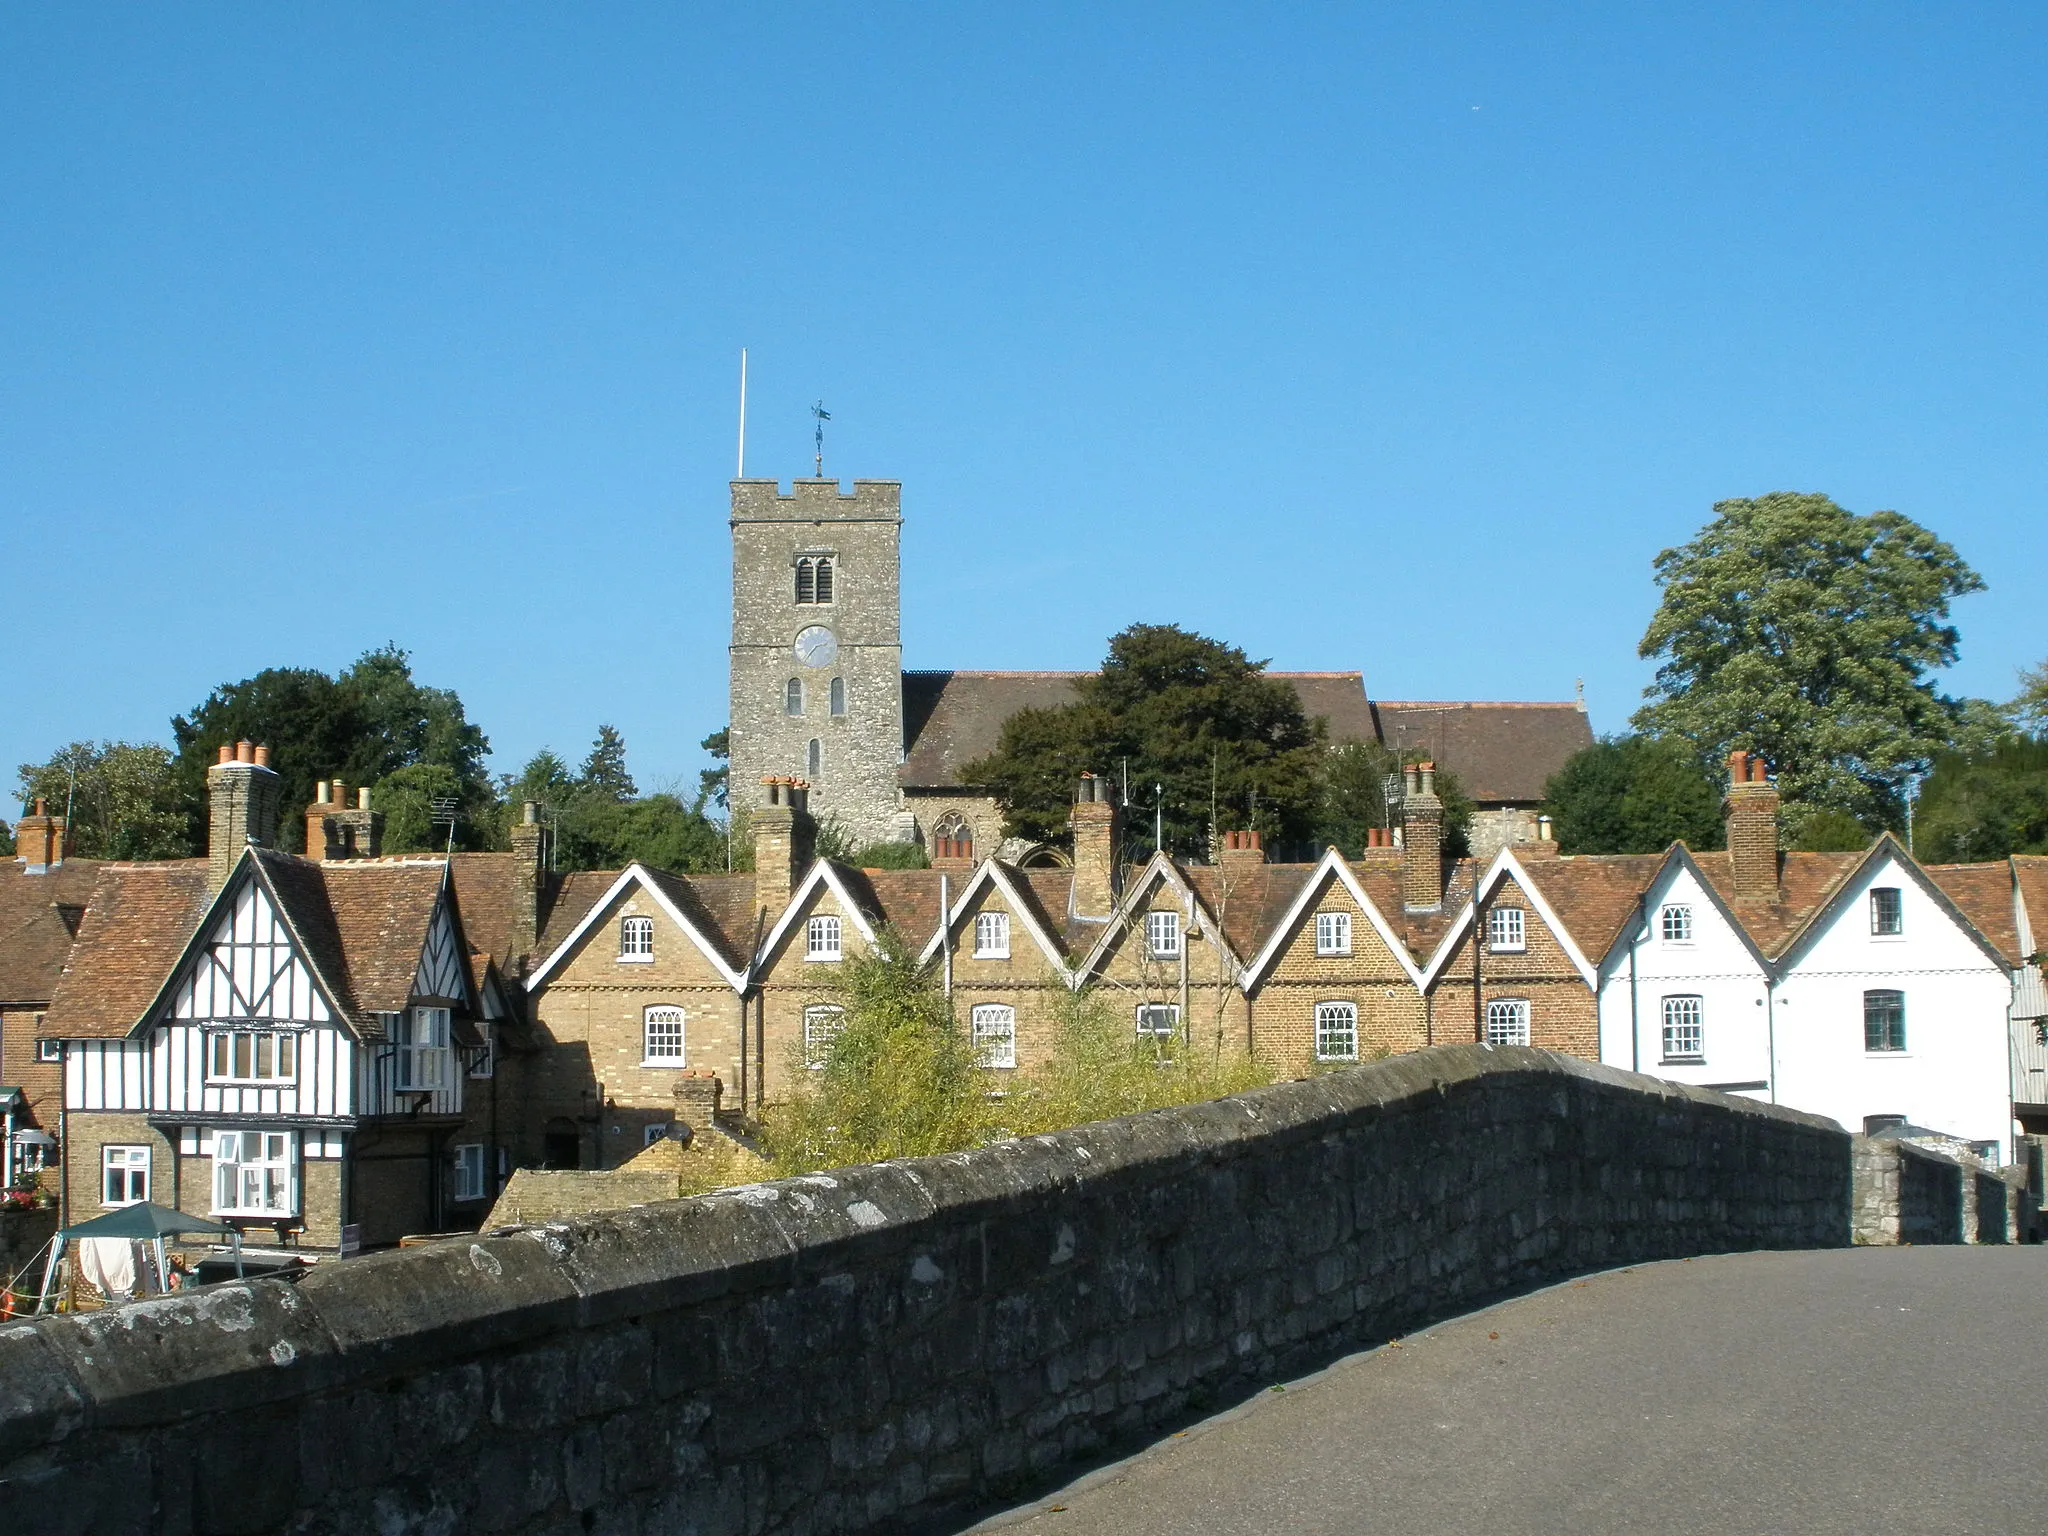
(889,1346)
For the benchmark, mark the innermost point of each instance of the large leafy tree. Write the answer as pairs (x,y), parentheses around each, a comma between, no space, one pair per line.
(368,725)
(599,823)
(1192,716)
(1351,797)
(1634,794)
(2030,710)
(1984,806)
(122,797)
(1795,628)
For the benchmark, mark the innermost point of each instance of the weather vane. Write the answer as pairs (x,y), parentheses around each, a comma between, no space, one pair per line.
(818,437)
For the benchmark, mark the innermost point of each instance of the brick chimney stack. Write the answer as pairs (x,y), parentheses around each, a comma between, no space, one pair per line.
(1752,819)
(1242,850)
(336,829)
(783,835)
(1422,842)
(1095,824)
(242,792)
(528,872)
(697,1093)
(39,840)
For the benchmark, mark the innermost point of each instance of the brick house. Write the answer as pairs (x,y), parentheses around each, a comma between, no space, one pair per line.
(43,897)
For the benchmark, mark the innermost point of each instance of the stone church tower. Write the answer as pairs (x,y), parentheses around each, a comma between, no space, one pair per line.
(817,648)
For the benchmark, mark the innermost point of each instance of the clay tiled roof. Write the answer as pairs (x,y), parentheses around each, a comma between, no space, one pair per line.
(1594,895)
(1248,901)
(2030,873)
(487,890)
(137,923)
(952,719)
(1983,894)
(1806,881)
(568,900)
(380,911)
(39,915)
(906,899)
(720,906)
(1501,753)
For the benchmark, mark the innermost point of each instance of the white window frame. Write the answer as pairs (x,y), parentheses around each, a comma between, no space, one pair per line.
(1158,1021)
(50,1051)
(636,940)
(420,1062)
(470,1168)
(1897,915)
(824,938)
(279,1042)
(485,1061)
(992,1030)
(272,1172)
(130,1160)
(1684,1015)
(823,1023)
(991,935)
(1674,923)
(1336,1031)
(1507,1021)
(1162,934)
(1333,933)
(1507,930)
(671,1047)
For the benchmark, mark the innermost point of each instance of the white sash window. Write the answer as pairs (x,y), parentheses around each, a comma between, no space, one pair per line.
(255,1173)
(252,1056)
(994,1034)
(421,1062)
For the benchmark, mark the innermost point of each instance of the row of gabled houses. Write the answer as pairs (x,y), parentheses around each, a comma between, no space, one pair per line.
(336,1048)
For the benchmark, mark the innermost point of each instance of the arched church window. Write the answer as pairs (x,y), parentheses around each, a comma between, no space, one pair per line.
(793,696)
(806,581)
(817,759)
(824,579)
(838,695)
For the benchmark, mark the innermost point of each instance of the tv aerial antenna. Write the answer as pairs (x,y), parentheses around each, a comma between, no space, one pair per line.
(443,811)
(818,438)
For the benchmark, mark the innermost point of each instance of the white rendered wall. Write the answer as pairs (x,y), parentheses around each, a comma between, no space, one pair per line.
(1953,1074)
(1714,966)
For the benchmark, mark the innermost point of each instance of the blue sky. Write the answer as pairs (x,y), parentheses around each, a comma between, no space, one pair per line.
(1396,338)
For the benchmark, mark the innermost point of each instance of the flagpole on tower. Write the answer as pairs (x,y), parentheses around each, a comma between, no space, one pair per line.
(742,472)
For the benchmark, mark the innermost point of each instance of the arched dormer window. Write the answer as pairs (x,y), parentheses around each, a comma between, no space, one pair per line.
(793,696)
(814,580)
(838,695)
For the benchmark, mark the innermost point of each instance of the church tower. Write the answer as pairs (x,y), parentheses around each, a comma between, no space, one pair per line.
(817,648)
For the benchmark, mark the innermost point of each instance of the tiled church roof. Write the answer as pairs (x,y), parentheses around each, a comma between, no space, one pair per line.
(1500,752)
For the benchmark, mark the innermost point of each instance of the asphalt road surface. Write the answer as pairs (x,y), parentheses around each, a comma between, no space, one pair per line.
(1865,1390)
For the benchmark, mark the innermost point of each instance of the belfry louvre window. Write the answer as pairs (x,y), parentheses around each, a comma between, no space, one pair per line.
(793,696)
(822,1026)
(1333,933)
(1336,1032)
(1507,1021)
(1504,931)
(124,1175)
(991,935)
(1675,922)
(252,1056)
(822,939)
(1684,1036)
(255,1173)
(662,1029)
(421,1060)
(1884,1020)
(636,938)
(1887,913)
(814,579)
(993,1029)
(1162,934)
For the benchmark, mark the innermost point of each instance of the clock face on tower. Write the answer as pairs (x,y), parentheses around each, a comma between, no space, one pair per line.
(817,646)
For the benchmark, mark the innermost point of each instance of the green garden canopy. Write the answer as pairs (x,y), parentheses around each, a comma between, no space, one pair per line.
(145,1220)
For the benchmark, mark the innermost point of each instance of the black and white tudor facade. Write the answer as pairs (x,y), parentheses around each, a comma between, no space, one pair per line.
(309,1050)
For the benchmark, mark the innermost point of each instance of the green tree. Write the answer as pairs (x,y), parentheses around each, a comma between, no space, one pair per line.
(1832,831)
(364,725)
(899,1080)
(604,770)
(1792,627)
(1973,808)
(1634,794)
(1191,715)
(713,783)
(2030,709)
(123,799)
(1351,798)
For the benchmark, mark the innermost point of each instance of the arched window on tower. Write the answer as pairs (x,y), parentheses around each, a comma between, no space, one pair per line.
(838,695)
(806,581)
(816,769)
(824,579)
(793,696)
